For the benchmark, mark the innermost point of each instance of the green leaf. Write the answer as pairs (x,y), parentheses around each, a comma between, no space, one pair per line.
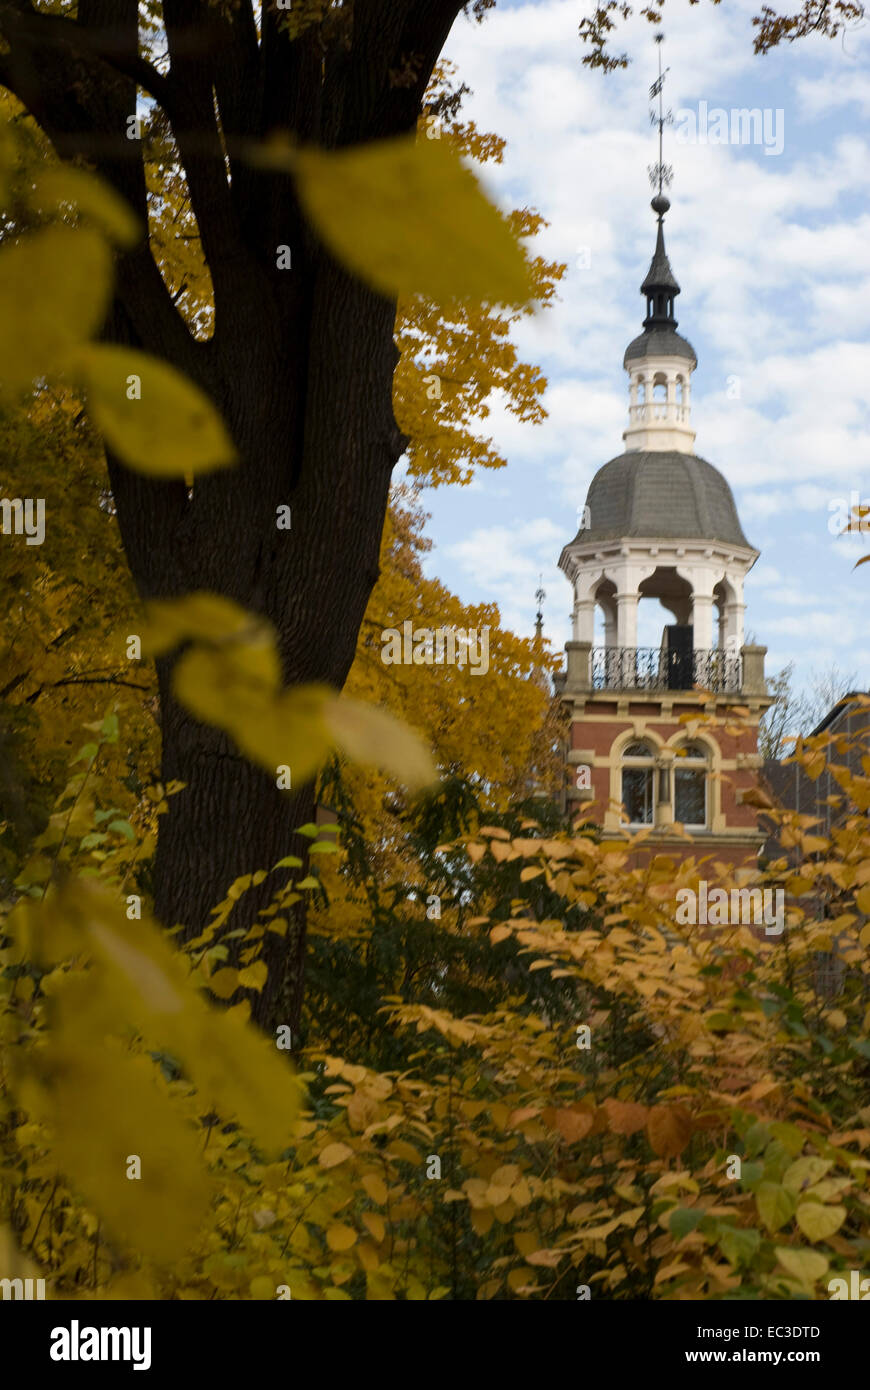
(172,431)
(791,1138)
(750,1174)
(290,861)
(805,1172)
(776,1205)
(738,1245)
(55,286)
(95,837)
(408,218)
(756,1137)
(324,847)
(805,1265)
(683,1220)
(817,1221)
(124,828)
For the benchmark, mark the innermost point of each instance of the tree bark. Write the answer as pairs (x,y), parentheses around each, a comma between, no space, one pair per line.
(300,365)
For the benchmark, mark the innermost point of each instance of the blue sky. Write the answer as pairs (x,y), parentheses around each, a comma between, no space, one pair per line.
(772,252)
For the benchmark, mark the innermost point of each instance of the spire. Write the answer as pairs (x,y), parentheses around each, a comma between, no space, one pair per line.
(660,288)
(658,361)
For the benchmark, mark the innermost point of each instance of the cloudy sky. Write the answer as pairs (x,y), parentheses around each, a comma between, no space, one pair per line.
(772,250)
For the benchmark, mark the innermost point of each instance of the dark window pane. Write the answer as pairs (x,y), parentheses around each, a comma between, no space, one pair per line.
(637,794)
(637,750)
(690,802)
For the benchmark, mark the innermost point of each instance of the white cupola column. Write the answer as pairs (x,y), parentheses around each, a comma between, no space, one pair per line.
(702,621)
(584,620)
(626,619)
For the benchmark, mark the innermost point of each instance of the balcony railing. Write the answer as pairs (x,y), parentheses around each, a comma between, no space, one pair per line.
(645,411)
(654,668)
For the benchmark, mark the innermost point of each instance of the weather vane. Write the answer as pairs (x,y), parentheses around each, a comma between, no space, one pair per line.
(540,595)
(661,173)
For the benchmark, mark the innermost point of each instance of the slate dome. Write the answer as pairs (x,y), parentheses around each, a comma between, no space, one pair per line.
(659,342)
(663,494)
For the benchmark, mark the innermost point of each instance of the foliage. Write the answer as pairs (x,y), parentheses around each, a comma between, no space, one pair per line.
(826,17)
(611,1166)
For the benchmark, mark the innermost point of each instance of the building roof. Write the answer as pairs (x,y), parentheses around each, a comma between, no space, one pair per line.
(659,342)
(664,494)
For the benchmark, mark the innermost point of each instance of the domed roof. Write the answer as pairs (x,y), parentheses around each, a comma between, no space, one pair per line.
(661,493)
(659,342)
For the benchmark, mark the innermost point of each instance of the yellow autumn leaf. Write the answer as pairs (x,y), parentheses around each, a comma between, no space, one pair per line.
(817,1221)
(232,1063)
(104,1107)
(231,688)
(333,1154)
(55,286)
(253,976)
(375,1224)
(340,1237)
(154,418)
(238,1068)
(90,196)
(224,983)
(549,1259)
(527,1242)
(408,218)
(499,934)
(262,1287)
(368,734)
(209,618)
(376,1188)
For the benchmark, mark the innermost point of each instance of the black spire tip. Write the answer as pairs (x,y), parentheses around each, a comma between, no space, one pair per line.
(660,205)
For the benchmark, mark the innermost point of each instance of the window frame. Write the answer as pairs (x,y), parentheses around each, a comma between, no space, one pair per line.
(637,762)
(697,760)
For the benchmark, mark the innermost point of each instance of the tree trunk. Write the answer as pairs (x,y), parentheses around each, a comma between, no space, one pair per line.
(230,820)
(300,365)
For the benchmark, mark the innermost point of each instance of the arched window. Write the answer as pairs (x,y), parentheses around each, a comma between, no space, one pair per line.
(690,785)
(638,782)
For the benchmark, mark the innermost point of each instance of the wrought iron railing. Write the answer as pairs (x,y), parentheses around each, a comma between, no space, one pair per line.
(654,668)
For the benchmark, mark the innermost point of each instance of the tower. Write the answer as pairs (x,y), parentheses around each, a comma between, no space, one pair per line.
(660,522)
